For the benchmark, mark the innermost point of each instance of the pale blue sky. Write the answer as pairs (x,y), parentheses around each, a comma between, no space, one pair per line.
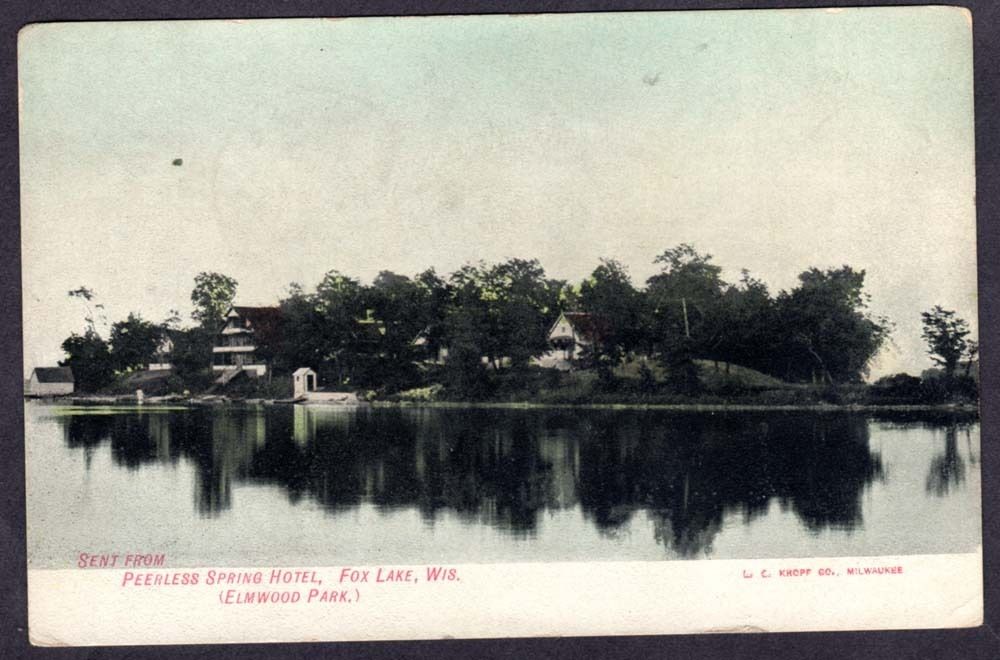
(776,140)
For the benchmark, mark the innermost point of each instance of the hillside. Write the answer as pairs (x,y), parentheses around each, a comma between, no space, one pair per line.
(713,375)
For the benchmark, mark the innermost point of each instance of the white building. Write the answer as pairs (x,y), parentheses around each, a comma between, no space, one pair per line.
(50,381)
(236,345)
(303,382)
(570,336)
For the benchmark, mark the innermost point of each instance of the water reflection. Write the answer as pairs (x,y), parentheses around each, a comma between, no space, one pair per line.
(947,468)
(689,473)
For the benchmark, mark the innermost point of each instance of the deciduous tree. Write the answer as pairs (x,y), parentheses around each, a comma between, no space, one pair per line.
(212,295)
(609,295)
(133,342)
(945,333)
(89,356)
(827,332)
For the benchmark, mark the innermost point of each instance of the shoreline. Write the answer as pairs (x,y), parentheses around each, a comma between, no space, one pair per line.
(216,400)
(688,407)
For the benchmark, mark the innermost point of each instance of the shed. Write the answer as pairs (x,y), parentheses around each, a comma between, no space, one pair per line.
(303,382)
(50,381)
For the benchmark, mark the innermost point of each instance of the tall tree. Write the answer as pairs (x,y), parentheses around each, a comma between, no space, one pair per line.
(684,272)
(828,333)
(747,325)
(466,331)
(684,295)
(403,307)
(971,353)
(192,350)
(436,294)
(89,356)
(212,295)
(133,342)
(945,333)
(338,304)
(609,295)
(521,302)
(302,342)
(87,296)
(684,299)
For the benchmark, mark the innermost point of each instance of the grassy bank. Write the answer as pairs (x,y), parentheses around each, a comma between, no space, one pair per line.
(719,387)
(166,383)
(634,385)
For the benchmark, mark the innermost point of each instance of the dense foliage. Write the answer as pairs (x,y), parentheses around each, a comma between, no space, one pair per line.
(945,334)
(478,330)
(89,356)
(494,319)
(212,295)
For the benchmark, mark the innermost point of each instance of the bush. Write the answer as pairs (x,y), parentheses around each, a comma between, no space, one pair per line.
(276,387)
(832,394)
(152,383)
(647,379)
(898,387)
(194,381)
(465,375)
(784,397)
(941,389)
(965,387)
(934,390)
(729,386)
(606,379)
(430,393)
(552,379)
(683,378)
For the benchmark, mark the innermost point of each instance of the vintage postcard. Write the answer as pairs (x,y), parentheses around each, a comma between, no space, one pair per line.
(493,326)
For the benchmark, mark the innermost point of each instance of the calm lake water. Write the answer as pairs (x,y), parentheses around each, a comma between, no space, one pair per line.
(291,485)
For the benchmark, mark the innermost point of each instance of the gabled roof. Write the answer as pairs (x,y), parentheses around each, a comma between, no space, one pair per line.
(265,322)
(258,316)
(588,326)
(302,371)
(425,336)
(54,374)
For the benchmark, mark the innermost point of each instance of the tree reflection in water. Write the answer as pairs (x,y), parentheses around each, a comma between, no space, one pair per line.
(948,468)
(506,468)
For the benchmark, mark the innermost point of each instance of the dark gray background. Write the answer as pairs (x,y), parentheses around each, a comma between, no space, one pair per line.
(982,642)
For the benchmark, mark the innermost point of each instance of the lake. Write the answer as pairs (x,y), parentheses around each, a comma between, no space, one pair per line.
(295,485)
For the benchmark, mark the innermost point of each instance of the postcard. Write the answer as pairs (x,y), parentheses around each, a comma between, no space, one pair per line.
(500,326)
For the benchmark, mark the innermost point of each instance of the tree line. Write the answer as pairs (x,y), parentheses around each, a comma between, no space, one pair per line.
(494,318)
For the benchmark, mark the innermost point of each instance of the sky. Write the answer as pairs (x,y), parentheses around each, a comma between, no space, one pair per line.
(774,140)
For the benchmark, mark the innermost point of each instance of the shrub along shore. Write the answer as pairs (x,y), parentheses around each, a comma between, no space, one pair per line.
(721,387)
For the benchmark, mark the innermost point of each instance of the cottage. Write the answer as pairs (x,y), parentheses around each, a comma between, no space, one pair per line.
(237,346)
(50,381)
(575,332)
(570,337)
